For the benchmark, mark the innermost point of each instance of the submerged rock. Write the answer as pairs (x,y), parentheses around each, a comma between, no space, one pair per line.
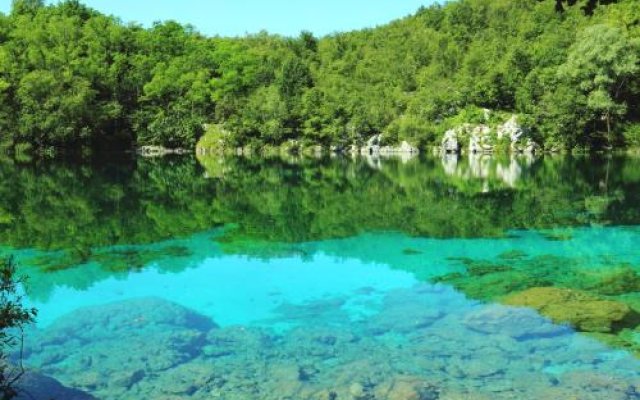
(406,388)
(34,386)
(105,321)
(404,312)
(425,342)
(585,312)
(111,348)
(518,323)
(613,282)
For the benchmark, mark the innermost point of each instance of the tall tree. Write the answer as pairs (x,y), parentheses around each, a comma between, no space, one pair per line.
(602,64)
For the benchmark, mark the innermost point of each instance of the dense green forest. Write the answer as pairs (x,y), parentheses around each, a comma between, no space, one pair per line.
(73,78)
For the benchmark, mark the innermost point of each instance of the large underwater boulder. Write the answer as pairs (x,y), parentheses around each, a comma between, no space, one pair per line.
(583,311)
(106,321)
(518,323)
(34,386)
(111,348)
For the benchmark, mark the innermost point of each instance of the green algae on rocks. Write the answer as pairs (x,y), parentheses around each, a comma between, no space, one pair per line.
(583,311)
(603,301)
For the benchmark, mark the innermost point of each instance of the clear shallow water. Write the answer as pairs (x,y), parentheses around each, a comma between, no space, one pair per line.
(239,289)
(336,281)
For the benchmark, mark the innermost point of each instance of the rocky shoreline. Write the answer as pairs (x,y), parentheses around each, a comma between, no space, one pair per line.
(483,138)
(487,138)
(508,137)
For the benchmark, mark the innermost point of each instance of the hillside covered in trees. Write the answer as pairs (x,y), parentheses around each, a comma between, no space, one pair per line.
(73,78)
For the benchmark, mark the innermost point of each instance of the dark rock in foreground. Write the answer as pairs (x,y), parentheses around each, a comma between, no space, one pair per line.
(33,386)
(113,347)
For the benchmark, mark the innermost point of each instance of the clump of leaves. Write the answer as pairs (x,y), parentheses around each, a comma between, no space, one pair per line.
(13,317)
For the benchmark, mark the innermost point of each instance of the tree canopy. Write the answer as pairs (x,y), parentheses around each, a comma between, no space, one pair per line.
(73,78)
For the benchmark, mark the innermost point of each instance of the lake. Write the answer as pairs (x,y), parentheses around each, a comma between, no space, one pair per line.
(468,277)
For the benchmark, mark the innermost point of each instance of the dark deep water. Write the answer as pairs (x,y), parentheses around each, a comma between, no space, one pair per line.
(471,278)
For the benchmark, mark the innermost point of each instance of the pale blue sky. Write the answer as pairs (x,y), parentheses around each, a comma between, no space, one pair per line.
(237,17)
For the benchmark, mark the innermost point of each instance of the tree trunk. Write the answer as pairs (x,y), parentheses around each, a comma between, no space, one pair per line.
(608,129)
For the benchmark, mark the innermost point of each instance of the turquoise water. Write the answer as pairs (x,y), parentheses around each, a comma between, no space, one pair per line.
(239,289)
(332,279)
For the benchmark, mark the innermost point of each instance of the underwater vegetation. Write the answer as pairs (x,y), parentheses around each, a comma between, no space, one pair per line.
(114,259)
(600,300)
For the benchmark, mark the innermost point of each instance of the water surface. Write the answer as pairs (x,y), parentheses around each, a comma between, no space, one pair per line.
(331,279)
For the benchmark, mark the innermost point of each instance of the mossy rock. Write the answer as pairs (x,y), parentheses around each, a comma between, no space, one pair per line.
(618,281)
(513,255)
(583,311)
(481,269)
(214,140)
(483,285)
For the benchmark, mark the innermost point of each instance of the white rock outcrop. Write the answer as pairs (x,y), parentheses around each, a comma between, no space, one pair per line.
(372,147)
(450,143)
(482,138)
(516,134)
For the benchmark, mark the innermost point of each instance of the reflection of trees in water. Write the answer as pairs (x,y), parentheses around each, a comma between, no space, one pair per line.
(76,208)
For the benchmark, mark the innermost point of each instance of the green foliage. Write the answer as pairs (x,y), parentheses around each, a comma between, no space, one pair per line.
(26,6)
(601,64)
(410,128)
(71,77)
(13,317)
(631,135)
(213,139)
